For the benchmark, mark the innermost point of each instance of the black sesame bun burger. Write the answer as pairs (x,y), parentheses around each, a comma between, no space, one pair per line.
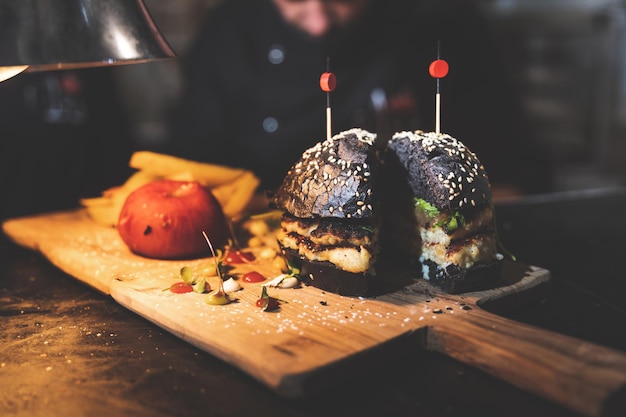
(454,222)
(329,227)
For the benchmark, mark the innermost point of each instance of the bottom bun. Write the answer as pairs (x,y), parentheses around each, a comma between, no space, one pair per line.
(326,276)
(456,280)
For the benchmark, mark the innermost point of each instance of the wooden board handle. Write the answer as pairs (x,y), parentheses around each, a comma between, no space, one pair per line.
(582,376)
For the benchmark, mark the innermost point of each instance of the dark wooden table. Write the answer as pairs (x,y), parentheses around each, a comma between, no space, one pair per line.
(69,350)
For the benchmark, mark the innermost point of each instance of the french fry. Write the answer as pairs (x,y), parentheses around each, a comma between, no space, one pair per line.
(243,191)
(209,175)
(106,209)
(234,196)
(95,202)
(103,215)
(182,176)
(223,192)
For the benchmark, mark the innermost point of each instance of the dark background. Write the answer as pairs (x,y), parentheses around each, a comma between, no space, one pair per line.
(566,56)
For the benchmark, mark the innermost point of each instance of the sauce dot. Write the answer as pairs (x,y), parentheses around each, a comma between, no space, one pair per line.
(253,276)
(238,257)
(181,288)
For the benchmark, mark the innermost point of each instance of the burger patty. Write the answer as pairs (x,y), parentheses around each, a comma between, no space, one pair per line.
(472,241)
(464,253)
(346,244)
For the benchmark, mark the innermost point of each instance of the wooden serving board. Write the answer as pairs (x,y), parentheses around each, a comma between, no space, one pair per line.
(315,332)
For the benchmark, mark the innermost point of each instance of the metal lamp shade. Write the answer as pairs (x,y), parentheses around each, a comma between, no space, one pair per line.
(65,34)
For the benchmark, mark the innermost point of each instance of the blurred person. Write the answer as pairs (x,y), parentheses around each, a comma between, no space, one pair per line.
(252,98)
(63,136)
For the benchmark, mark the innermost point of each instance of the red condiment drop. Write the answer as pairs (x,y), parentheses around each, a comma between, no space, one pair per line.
(237,257)
(268,303)
(328,81)
(181,288)
(252,277)
(438,68)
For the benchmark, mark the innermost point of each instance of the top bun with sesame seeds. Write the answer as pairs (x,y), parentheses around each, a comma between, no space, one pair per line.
(441,169)
(332,179)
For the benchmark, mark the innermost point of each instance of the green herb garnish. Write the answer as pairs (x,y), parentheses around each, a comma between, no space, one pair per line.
(369,228)
(426,207)
(452,223)
(449,224)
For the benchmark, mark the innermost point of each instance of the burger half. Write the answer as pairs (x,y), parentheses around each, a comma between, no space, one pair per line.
(329,227)
(453,221)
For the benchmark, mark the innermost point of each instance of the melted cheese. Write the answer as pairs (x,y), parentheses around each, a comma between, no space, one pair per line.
(480,249)
(325,239)
(356,259)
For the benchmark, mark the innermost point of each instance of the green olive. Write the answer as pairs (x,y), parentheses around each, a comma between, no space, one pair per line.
(217,298)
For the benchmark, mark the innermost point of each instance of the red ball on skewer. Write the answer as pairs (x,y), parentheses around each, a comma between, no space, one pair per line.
(438,68)
(328,81)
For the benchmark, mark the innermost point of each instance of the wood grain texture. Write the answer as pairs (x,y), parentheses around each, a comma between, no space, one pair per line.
(314,333)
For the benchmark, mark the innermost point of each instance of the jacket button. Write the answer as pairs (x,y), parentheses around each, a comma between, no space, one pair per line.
(270,124)
(276,55)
